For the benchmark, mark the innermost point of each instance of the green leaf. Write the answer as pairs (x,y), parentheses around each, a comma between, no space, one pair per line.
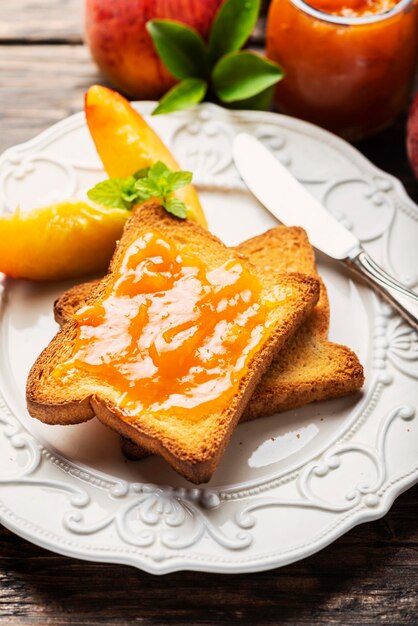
(147,188)
(176,207)
(260,102)
(157,181)
(181,48)
(158,176)
(158,171)
(177,180)
(128,191)
(161,182)
(241,75)
(233,25)
(109,192)
(142,173)
(182,96)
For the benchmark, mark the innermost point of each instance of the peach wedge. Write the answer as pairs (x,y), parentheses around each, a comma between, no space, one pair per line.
(126,143)
(64,240)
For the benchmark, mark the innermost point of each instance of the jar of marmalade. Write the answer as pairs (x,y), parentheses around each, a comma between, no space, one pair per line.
(349,64)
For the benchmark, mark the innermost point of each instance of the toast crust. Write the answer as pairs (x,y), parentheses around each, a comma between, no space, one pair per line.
(195,451)
(309,368)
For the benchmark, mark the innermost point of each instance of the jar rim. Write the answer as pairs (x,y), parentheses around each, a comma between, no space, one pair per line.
(349,21)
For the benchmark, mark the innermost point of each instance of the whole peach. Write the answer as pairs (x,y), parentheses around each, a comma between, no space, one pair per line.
(123,49)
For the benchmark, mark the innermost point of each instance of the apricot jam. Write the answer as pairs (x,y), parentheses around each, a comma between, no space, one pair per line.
(171,335)
(349,64)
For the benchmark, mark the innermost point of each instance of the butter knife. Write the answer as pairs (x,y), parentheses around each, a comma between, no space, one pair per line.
(280,192)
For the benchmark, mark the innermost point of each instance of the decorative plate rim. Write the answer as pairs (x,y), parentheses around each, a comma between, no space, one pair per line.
(210,498)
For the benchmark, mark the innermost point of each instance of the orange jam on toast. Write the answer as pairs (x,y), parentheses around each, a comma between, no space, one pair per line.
(171,335)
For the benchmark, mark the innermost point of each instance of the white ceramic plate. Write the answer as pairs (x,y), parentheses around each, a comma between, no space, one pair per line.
(288,484)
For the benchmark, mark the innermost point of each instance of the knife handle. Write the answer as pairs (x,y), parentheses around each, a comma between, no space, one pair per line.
(400,297)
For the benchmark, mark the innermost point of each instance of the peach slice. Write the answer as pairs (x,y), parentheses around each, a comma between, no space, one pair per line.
(126,143)
(63,240)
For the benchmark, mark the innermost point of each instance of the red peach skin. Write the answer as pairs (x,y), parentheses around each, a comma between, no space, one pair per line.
(123,49)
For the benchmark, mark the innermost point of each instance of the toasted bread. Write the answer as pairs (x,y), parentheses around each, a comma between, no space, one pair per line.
(309,368)
(192,449)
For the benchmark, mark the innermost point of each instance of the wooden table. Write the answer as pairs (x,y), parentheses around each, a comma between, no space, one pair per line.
(369,576)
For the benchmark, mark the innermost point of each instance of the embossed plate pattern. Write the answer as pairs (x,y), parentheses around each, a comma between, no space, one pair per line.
(289,484)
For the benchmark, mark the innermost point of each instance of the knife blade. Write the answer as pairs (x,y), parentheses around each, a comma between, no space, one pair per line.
(282,194)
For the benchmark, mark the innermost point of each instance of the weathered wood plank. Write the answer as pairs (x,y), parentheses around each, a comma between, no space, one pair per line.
(39,20)
(58,20)
(367,577)
(40,85)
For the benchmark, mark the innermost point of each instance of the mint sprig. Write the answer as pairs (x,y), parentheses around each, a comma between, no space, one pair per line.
(219,67)
(157,181)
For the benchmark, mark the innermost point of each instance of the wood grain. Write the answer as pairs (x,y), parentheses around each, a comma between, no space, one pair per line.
(368,577)
(41,20)
(40,85)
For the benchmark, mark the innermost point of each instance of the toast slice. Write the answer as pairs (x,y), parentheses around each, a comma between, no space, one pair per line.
(310,368)
(192,447)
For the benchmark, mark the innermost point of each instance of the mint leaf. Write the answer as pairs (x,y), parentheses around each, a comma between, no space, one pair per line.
(158,171)
(128,191)
(232,26)
(158,177)
(109,192)
(182,96)
(157,181)
(241,75)
(143,173)
(175,207)
(177,180)
(147,188)
(181,48)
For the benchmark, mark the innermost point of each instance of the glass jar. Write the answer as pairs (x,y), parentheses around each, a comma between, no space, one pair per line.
(350,73)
